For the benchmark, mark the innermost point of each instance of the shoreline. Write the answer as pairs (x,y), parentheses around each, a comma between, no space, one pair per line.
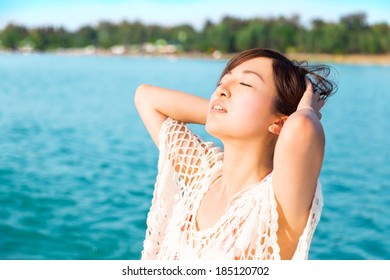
(353,59)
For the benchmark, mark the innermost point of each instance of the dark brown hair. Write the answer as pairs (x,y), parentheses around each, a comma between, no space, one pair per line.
(289,77)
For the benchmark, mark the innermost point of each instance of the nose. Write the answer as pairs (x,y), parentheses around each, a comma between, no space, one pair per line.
(223,91)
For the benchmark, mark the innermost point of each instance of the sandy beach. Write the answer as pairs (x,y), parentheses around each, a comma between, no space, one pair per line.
(361,59)
(369,59)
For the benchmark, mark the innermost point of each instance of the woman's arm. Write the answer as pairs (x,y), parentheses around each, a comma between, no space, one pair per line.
(156,104)
(298,157)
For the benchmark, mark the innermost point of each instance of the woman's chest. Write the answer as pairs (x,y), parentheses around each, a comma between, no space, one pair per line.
(211,207)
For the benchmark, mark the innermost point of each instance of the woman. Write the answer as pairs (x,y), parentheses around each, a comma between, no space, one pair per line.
(259,197)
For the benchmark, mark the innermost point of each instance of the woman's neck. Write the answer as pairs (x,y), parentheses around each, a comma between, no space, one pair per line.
(245,164)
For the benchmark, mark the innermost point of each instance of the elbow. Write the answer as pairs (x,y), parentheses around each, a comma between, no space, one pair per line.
(305,129)
(313,130)
(140,94)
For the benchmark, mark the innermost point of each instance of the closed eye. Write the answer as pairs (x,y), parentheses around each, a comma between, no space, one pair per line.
(246,85)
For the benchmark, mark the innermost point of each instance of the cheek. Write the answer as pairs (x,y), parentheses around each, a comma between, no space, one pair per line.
(253,107)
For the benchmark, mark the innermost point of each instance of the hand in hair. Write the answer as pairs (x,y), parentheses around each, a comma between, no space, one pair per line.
(311,100)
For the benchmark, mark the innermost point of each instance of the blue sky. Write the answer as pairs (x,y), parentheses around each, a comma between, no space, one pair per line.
(72,14)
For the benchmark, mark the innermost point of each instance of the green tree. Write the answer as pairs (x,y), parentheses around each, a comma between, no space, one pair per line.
(283,33)
(13,35)
(184,36)
(325,37)
(252,35)
(381,36)
(131,33)
(355,26)
(46,38)
(84,36)
(219,37)
(106,34)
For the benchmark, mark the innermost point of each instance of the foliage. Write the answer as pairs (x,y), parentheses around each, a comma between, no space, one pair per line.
(352,34)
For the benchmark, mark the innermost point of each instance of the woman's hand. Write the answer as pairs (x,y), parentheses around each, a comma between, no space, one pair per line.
(311,100)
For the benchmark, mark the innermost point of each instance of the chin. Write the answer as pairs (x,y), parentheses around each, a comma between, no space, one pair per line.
(213,129)
(209,128)
(217,130)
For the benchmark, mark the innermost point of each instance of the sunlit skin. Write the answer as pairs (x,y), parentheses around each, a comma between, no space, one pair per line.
(257,140)
(246,94)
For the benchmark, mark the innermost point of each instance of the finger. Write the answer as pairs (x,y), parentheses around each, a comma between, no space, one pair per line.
(317,95)
(309,86)
(307,81)
(321,102)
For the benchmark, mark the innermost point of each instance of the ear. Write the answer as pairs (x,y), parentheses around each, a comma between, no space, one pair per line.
(276,127)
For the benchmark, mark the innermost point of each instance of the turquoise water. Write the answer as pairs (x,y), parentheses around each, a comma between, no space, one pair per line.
(77,167)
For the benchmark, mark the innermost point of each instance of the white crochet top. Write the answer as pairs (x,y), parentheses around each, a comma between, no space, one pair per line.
(187,168)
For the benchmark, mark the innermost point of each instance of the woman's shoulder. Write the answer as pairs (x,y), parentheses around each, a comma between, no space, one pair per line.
(185,150)
(180,134)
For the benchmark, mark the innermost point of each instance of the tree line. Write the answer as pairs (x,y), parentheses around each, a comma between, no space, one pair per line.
(350,35)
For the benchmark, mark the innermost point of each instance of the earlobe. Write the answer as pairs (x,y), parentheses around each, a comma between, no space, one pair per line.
(271,128)
(274,128)
(277,126)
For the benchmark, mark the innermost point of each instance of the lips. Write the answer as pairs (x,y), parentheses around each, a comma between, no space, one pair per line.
(217,106)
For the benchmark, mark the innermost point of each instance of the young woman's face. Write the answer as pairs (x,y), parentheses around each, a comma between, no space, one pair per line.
(242,105)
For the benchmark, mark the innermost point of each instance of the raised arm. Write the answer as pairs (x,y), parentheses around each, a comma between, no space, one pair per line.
(156,104)
(298,157)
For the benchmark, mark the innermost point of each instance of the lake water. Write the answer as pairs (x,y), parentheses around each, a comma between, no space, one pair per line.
(77,167)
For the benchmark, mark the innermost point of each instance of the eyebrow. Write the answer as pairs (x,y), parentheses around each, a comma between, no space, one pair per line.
(248,72)
(253,72)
